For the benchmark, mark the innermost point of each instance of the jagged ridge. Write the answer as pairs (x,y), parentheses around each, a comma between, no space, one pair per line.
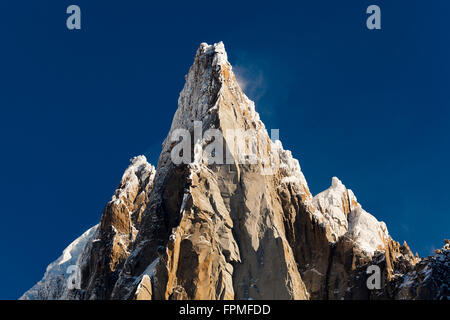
(210,231)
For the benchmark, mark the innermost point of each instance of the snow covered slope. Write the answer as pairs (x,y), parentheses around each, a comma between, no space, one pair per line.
(338,207)
(54,283)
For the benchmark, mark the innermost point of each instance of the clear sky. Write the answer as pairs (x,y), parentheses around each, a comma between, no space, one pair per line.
(371,107)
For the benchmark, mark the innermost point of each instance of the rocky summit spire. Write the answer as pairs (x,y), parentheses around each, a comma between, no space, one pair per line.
(228,214)
(200,212)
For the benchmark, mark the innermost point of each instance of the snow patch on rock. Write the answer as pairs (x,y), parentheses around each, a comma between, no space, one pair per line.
(54,283)
(139,167)
(338,208)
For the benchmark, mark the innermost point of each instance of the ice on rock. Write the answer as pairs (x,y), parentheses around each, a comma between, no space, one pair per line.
(366,231)
(139,167)
(336,183)
(194,101)
(54,283)
(338,208)
(332,207)
(218,50)
(291,167)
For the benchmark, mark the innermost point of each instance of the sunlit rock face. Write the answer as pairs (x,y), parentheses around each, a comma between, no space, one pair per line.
(236,229)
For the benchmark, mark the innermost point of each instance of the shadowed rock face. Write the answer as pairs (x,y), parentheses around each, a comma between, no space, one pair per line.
(241,230)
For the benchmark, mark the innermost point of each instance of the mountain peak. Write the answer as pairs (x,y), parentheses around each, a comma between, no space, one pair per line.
(217,50)
(239,229)
(204,81)
(336,183)
(138,160)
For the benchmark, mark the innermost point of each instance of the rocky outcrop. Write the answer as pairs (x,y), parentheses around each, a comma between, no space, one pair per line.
(104,257)
(429,280)
(199,212)
(236,219)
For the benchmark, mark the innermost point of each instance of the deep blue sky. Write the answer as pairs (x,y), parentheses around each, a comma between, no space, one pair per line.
(371,107)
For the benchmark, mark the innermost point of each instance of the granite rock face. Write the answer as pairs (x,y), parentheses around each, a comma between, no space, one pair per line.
(120,223)
(236,220)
